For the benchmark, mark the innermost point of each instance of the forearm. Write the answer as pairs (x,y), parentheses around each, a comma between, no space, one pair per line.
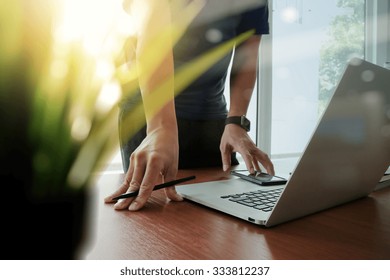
(155,66)
(243,79)
(158,98)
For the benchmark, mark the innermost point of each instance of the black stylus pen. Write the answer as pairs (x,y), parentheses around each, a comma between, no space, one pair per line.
(157,187)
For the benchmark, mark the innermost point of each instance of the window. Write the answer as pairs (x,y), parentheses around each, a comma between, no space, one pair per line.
(300,65)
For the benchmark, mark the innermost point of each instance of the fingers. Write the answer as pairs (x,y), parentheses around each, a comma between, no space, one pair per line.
(171,191)
(235,139)
(257,165)
(249,163)
(147,186)
(144,181)
(269,166)
(226,160)
(252,160)
(132,182)
(122,189)
(125,203)
(172,194)
(263,158)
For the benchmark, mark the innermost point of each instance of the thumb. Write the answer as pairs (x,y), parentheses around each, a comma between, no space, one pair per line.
(172,194)
(171,191)
(226,160)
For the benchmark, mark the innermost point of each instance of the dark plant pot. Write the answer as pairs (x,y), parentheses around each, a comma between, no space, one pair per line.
(52,227)
(49,229)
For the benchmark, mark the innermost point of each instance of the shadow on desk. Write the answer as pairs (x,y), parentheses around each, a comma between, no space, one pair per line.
(166,230)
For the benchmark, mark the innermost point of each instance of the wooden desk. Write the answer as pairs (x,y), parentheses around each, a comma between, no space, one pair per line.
(166,230)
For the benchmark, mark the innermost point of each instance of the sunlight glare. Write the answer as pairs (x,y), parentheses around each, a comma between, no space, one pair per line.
(290,14)
(104,70)
(109,95)
(91,22)
(59,69)
(80,128)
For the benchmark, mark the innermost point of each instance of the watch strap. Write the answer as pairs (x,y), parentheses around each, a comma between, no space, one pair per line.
(239,120)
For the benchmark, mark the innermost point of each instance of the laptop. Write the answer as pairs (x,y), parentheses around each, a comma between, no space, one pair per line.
(343,161)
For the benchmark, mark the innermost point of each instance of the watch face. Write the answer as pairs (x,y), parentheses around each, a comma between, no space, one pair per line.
(242,121)
(245,123)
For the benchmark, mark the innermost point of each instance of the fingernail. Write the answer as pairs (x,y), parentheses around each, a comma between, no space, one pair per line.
(117,206)
(134,206)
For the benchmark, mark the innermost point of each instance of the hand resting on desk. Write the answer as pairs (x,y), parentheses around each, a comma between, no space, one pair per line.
(152,163)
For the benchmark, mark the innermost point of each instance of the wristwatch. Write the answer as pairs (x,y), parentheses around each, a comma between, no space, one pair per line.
(239,120)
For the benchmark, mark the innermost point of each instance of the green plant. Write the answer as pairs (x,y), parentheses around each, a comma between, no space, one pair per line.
(65,95)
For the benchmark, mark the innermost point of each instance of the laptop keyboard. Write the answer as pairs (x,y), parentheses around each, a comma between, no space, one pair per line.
(260,200)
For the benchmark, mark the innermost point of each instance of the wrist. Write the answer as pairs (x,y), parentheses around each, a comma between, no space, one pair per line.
(165,119)
(162,125)
(240,121)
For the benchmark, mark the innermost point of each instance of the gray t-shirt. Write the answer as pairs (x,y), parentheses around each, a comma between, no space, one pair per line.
(204,98)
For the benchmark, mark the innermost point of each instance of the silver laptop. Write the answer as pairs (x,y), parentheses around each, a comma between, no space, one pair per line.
(344,160)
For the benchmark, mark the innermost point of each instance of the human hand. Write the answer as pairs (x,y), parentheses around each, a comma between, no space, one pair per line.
(153,162)
(236,139)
